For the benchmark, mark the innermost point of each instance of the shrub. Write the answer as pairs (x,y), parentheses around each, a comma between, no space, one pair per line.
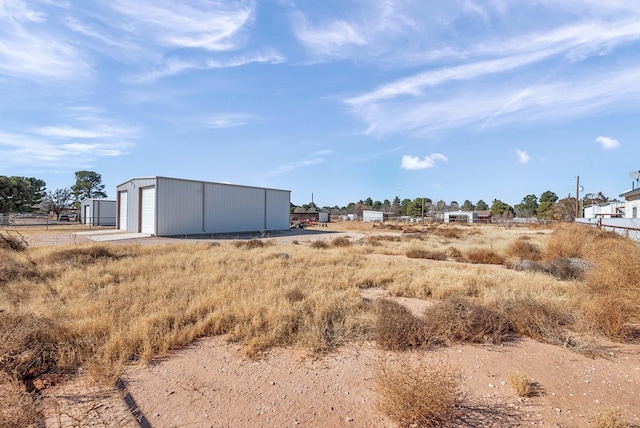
(611,418)
(396,328)
(458,320)
(294,295)
(524,250)
(82,255)
(418,394)
(11,243)
(455,254)
(319,245)
(11,270)
(341,241)
(538,321)
(527,266)
(28,346)
(416,253)
(18,407)
(521,384)
(567,268)
(484,256)
(254,243)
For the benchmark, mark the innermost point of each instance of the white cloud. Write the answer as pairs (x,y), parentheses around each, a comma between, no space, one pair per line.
(316,158)
(210,25)
(330,38)
(523,157)
(507,102)
(410,162)
(65,131)
(608,143)
(29,49)
(229,120)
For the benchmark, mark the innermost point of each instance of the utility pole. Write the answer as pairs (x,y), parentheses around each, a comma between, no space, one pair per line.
(577,196)
(422,210)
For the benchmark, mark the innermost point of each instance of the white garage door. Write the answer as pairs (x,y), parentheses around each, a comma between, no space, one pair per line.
(85,215)
(148,223)
(122,215)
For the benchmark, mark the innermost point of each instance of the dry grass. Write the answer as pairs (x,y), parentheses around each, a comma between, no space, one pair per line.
(415,394)
(610,418)
(100,306)
(10,242)
(521,384)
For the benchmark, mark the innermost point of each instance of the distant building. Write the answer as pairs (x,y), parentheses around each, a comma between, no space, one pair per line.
(606,209)
(461,217)
(98,212)
(632,202)
(373,216)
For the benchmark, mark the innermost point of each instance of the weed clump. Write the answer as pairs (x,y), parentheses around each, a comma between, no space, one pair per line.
(417,253)
(396,328)
(320,245)
(341,241)
(83,255)
(611,418)
(11,243)
(418,394)
(28,346)
(484,256)
(521,384)
(459,320)
(524,250)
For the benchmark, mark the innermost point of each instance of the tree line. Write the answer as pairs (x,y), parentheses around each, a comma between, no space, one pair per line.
(29,194)
(547,206)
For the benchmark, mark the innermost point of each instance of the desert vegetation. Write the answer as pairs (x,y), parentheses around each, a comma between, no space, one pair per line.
(100,306)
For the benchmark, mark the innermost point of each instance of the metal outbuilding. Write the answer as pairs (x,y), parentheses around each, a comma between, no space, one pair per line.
(98,212)
(461,217)
(164,206)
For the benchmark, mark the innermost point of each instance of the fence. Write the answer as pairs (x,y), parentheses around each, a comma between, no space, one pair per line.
(629,227)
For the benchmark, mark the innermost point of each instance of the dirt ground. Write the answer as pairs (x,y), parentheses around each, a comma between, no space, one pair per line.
(212,384)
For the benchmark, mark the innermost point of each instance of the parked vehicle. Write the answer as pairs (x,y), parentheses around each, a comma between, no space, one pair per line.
(68,217)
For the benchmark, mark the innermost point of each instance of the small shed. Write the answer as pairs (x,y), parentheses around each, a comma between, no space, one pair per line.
(165,206)
(98,212)
(461,217)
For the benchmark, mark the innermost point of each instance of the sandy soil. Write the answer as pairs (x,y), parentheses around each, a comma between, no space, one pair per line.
(211,383)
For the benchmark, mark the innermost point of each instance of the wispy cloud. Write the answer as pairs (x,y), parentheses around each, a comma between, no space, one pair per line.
(210,25)
(505,103)
(329,39)
(29,50)
(36,151)
(316,158)
(608,143)
(175,66)
(65,131)
(412,163)
(523,156)
(230,120)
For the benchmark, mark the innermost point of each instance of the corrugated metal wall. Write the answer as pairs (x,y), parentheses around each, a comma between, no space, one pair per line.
(234,208)
(278,209)
(179,207)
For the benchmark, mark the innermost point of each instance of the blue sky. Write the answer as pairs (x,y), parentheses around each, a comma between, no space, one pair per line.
(344,100)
